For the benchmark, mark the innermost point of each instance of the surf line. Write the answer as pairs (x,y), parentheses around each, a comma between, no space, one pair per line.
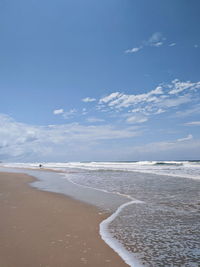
(106,236)
(127,256)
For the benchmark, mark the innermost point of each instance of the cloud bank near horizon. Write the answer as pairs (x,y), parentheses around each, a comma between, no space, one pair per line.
(70,142)
(112,127)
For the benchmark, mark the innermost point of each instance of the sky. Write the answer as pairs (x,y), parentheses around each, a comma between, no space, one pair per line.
(109,80)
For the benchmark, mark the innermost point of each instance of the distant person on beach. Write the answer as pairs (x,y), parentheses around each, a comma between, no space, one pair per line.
(40,165)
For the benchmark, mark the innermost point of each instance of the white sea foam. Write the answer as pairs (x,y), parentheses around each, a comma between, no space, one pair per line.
(102,190)
(127,256)
(186,169)
(131,213)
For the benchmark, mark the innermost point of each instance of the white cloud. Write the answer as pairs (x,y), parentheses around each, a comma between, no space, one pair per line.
(69,114)
(73,141)
(192,123)
(27,142)
(110,97)
(88,99)
(159,111)
(121,100)
(93,119)
(136,119)
(159,100)
(58,111)
(157,91)
(139,110)
(158,44)
(133,50)
(84,111)
(168,103)
(179,87)
(156,40)
(189,137)
(172,44)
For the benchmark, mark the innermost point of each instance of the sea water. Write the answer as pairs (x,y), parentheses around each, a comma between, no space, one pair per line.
(155,217)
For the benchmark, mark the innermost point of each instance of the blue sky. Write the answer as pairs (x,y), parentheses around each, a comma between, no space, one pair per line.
(99,80)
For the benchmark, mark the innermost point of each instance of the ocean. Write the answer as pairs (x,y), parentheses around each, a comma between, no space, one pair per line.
(153,207)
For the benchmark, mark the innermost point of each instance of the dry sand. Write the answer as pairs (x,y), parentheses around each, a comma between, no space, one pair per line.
(47,229)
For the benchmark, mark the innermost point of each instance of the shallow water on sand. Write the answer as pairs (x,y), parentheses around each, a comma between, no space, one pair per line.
(161,230)
(164,230)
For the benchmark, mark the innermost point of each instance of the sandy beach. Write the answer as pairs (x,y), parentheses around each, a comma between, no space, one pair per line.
(47,229)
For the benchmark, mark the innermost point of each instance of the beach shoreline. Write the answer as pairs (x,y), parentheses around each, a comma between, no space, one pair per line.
(40,228)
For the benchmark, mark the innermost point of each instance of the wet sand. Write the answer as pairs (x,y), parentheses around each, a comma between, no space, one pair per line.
(46,229)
